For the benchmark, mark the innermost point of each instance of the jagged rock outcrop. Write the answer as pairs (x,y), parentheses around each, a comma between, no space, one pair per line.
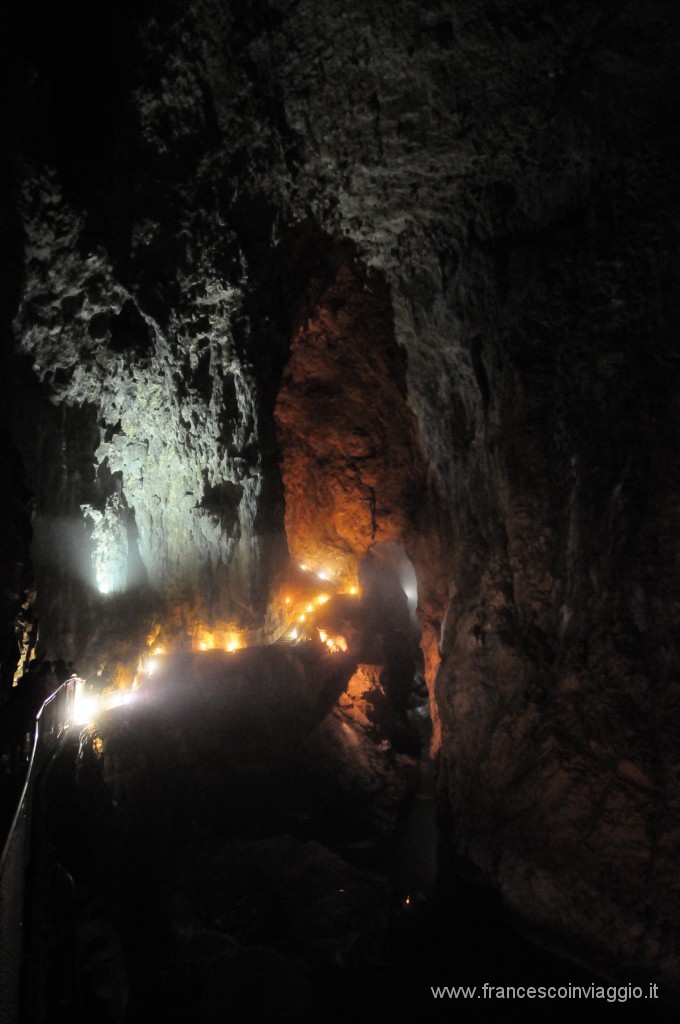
(173,403)
(507,172)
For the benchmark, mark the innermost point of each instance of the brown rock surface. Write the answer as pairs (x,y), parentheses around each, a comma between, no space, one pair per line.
(351,464)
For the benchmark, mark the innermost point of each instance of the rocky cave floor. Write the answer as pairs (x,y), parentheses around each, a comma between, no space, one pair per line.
(251,864)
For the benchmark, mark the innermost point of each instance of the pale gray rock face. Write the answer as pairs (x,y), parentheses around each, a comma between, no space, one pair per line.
(168,438)
(509,172)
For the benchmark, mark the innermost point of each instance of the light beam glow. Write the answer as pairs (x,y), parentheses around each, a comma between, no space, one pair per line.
(110,544)
(85,705)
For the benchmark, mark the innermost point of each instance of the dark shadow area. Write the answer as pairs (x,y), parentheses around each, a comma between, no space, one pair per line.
(238,838)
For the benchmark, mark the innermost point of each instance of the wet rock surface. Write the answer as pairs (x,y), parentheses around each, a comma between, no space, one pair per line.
(507,173)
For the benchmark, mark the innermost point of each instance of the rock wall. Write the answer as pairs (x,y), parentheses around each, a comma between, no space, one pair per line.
(506,170)
(17,636)
(351,464)
(173,402)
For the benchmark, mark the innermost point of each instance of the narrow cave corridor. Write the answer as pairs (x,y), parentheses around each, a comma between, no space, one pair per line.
(339,568)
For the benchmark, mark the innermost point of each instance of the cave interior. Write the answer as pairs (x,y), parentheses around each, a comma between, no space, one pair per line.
(339,448)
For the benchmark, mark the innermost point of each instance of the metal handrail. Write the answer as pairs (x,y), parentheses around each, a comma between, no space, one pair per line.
(54,716)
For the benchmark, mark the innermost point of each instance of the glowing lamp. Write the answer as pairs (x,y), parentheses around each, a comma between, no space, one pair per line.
(336,645)
(85,705)
(117,699)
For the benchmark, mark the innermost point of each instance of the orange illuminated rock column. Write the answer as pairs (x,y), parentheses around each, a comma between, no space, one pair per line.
(353,471)
(351,464)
